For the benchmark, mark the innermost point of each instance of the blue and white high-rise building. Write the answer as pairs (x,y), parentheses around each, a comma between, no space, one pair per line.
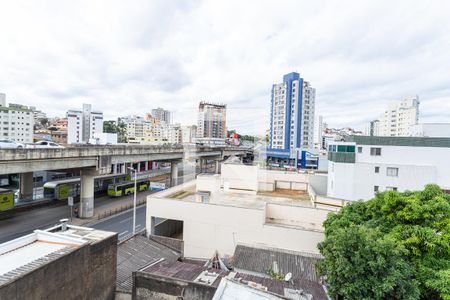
(291,120)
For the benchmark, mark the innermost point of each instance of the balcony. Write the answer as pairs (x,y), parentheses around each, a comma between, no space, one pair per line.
(342,157)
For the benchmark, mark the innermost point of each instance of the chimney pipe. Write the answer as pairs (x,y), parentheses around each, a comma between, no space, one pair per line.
(64,224)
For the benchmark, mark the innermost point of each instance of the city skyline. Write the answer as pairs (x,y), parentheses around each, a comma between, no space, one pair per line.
(130,59)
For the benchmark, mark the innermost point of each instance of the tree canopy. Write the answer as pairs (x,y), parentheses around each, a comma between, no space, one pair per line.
(395,246)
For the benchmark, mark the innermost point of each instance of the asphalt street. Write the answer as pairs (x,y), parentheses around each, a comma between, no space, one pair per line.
(123,223)
(25,222)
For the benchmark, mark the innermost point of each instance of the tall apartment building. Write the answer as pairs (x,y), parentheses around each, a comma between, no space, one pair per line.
(83,124)
(361,166)
(16,122)
(145,130)
(2,100)
(212,120)
(318,132)
(397,119)
(373,128)
(164,116)
(188,134)
(291,118)
(174,134)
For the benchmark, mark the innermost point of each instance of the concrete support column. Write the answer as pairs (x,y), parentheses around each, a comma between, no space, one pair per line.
(138,166)
(26,185)
(87,194)
(146,165)
(173,172)
(201,165)
(122,168)
(217,167)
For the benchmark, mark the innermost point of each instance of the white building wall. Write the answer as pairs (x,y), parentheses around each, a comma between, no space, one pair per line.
(279,92)
(399,117)
(417,166)
(74,126)
(209,227)
(307,125)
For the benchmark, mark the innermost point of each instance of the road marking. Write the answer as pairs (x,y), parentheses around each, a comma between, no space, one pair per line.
(126,231)
(126,220)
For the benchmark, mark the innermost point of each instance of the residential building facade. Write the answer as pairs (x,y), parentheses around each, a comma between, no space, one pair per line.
(291,118)
(174,134)
(188,134)
(164,116)
(398,119)
(16,122)
(83,124)
(143,130)
(373,128)
(361,166)
(212,120)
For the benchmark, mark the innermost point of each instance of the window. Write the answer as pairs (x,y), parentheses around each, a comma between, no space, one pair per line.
(391,188)
(375,151)
(377,169)
(376,188)
(359,149)
(392,172)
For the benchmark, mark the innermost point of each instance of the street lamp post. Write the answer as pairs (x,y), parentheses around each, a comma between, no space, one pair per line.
(134,201)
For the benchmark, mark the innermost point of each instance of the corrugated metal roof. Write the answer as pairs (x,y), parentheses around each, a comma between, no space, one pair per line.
(137,253)
(230,290)
(279,287)
(184,271)
(259,259)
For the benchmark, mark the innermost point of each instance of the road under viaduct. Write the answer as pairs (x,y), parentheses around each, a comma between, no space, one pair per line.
(98,160)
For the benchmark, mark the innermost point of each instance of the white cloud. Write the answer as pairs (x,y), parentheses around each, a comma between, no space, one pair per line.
(129,57)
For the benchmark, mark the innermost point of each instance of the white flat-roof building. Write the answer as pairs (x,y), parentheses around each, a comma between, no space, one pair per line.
(83,124)
(16,122)
(243,205)
(399,117)
(364,165)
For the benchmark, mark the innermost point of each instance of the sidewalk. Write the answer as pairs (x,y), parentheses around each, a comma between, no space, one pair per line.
(111,207)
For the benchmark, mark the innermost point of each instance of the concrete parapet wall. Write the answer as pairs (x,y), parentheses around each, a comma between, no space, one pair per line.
(87,272)
(147,286)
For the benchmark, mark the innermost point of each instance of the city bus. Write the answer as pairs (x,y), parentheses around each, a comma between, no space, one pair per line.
(127,188)
(62,189)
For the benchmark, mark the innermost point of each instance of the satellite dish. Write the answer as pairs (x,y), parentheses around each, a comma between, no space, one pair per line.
(288,276)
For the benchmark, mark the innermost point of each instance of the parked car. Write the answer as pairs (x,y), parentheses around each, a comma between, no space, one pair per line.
(8,144)
(44,144)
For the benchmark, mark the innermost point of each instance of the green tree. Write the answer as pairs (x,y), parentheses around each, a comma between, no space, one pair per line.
(109,127)
(121,132)
(395,246)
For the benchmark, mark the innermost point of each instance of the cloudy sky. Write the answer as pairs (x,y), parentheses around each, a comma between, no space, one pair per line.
(126,57)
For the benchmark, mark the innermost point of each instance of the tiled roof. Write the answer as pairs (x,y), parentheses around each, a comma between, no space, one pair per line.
(258,259)
(137,253)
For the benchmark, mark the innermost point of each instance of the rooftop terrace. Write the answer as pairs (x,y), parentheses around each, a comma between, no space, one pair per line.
(239,198)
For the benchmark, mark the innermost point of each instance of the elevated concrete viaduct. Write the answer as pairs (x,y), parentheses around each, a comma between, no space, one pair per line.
(98,160)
